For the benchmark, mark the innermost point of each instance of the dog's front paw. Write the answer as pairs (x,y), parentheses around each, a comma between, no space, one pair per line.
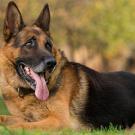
(3,119)
(9,120)
(23,125)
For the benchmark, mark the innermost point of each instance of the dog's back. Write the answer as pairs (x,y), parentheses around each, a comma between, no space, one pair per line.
(110,99)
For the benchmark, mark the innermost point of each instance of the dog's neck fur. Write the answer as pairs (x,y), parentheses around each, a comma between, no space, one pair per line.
(56,75)
(11,82)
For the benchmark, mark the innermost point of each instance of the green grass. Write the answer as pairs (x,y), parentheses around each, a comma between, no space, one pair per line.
(5,131)
(110,131)
(3,108)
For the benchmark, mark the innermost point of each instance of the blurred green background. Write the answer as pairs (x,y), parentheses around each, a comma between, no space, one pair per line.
(98,33)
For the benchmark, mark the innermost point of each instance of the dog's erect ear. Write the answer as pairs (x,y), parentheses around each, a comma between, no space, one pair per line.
(43,21)
(13,22)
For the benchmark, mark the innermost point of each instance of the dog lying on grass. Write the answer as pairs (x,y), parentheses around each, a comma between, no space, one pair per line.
(42,89)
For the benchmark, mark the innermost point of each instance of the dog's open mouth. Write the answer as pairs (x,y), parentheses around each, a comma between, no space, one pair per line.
(36,81)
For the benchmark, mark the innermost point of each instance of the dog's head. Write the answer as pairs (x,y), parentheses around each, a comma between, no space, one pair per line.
(30,48)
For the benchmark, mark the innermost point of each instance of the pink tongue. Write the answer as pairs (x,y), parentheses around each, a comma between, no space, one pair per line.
(41,90)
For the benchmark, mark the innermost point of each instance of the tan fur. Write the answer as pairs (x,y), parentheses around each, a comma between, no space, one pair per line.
(80,97)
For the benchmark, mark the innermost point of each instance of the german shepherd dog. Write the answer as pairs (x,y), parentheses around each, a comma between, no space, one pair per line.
(42,89)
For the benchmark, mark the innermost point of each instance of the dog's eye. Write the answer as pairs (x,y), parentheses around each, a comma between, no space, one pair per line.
(30,43)
(48,46)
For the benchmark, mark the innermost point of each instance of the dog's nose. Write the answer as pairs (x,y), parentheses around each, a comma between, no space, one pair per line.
(50,62)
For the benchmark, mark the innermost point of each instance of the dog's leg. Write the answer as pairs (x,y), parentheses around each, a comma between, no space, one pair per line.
(51,122)
(8,120)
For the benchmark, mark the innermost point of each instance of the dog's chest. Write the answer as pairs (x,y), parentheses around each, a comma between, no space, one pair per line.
(28,108)
(34,110)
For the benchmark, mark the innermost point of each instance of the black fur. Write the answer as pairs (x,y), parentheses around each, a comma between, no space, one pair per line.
(111,99)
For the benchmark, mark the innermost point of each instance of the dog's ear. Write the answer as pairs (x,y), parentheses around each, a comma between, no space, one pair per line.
(43,21)
(13,22)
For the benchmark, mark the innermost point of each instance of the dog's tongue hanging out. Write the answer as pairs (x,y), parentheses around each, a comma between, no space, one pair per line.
(41,90)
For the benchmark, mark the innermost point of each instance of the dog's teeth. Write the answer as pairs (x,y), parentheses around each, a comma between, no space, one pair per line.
(28,73)
(27,70)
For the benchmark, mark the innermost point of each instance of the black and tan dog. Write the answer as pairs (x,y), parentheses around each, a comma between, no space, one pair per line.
(42,89)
